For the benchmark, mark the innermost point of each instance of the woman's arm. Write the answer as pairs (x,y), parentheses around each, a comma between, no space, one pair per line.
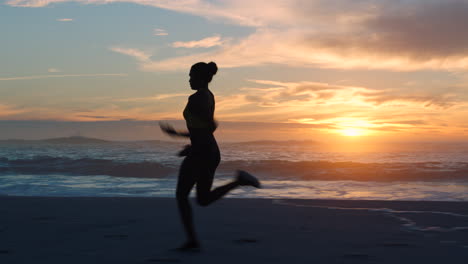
(168,129)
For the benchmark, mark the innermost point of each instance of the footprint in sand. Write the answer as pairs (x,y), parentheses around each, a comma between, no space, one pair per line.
(396,245)
(246,240)
(448,242)
(358,256)
(43,218)
(118,236)
(164,260)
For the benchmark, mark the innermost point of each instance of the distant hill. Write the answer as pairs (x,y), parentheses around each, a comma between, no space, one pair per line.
(61,140)
(279,142)
(75,140)
(151,141)
(14,141)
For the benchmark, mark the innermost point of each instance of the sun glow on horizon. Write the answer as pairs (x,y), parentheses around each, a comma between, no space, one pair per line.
(351,132)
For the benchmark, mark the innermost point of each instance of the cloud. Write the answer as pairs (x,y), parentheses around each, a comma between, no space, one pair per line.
(33,77)
(153,98)
(97,117)
(160,32)
(53,70)
(316,51)
(260,48)
(33,3)
(7,110)
(88,109)
(232,11)
(22,112)
(380,98)
(324,93)
(115,111)
(414,30)
(370,34)
(203,43)
(339,107)
(135,53)
(64,19)
(246,13)
(407,35)
(404,35)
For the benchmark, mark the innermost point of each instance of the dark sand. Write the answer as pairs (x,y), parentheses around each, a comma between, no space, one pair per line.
(241,231)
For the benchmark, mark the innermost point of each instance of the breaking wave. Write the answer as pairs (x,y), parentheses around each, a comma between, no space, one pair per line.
(45,165)
(268,169)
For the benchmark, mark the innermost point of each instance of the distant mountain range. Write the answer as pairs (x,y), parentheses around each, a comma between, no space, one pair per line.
(61,140)
(320,146)
(276,142)
(89,140)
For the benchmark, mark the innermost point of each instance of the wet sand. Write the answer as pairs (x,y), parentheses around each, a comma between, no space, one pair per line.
(144,230)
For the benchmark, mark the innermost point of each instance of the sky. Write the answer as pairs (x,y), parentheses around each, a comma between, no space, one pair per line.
(368,70)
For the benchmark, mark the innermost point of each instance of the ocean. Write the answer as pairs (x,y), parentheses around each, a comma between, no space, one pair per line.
(289,169)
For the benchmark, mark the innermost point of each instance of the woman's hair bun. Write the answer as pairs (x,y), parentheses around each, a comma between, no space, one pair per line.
(213,68)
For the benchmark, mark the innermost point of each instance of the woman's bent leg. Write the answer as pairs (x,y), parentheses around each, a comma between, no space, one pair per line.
(206,196)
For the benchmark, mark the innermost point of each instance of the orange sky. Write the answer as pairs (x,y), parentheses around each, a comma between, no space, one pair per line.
(315,69)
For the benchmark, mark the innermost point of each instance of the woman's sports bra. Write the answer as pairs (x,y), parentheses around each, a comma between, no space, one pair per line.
(199,111)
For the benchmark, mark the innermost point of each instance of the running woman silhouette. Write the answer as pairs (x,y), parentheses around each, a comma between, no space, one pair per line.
(202,156)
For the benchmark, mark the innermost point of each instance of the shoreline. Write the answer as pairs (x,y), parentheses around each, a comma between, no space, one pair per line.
(144,229)
(109,186)
(331,200)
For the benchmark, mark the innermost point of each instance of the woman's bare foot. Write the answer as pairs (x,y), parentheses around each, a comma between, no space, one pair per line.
(245,178)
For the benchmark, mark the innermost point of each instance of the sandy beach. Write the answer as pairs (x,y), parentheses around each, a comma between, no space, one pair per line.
(144,230)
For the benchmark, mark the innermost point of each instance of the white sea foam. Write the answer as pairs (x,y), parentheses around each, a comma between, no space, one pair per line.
(286,171)
(103,185)
(403,216)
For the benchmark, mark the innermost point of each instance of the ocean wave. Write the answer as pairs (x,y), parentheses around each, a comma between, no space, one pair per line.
(267,169)
(42,165)
(356,171)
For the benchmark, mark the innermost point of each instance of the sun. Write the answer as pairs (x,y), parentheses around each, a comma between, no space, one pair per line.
(351,132)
